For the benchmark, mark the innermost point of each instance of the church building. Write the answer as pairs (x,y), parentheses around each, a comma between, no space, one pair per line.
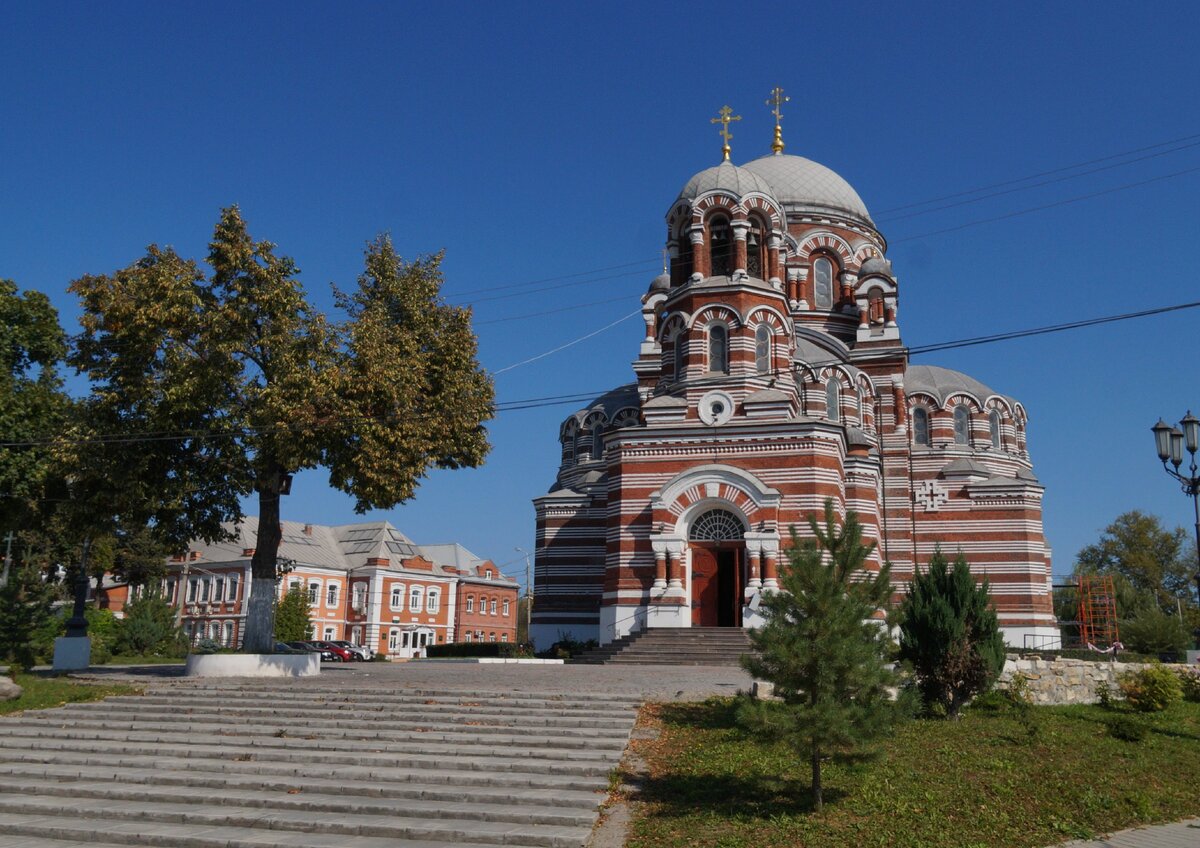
(773,376)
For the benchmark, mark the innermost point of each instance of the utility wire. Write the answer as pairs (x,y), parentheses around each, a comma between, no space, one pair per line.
(579,397)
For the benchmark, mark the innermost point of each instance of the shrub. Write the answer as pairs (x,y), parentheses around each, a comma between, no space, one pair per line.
(1189,683)
(479,649)
(1152,689)
(1153,631)
(149,629)
(1104,695)
(1128,728)
(293,620)
(949,632)
(24,611)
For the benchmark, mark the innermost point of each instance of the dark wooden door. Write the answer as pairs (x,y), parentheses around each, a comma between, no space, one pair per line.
(705,587)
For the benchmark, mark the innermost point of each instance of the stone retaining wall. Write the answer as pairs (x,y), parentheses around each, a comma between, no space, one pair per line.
(1064,681)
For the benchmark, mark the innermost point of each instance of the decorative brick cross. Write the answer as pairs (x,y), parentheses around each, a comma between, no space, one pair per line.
(931,496)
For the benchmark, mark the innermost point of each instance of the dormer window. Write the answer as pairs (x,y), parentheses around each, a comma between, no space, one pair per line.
(962,425)
(833,400)
(762,349)
(920,422)
(718,349)
(823,283)
(720,246)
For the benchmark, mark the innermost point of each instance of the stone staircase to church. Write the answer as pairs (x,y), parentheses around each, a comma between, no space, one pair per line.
(209,765)
(722,646)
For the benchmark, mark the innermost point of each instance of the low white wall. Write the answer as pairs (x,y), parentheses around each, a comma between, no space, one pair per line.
(253,665)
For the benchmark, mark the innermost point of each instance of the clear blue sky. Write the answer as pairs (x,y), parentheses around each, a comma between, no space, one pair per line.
(540,140)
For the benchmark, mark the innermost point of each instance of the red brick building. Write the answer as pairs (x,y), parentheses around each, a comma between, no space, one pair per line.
(366,583)
(772,376)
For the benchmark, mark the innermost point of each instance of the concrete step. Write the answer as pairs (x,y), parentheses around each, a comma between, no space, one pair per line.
(408,717)
(475,703)
(563,738)
(375,772)
(198,782)
(448,696)
(74,830)
(248,766)
(305,799)
(266,745)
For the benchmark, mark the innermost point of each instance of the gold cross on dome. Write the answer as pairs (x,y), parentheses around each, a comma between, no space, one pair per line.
(776,100)
(724,121)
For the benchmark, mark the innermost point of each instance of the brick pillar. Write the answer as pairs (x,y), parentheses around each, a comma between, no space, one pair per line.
(674,570)
(701,259)
(770,576)
(740,229)
(660,569)
(755,577)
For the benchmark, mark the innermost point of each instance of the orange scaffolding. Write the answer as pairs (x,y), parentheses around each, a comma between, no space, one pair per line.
(1097,611)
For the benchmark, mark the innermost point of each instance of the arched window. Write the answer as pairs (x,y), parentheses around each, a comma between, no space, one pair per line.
(858,405)
(718,349)
(414,598)
(431,601)
(962,425)
(594,425)
(762,349)
(994,428)
(682,266)
(756,250)
(717,525)
(833,400)
(920,424)
(227,636)
(597,441)
(823,283)
(680,356)
(720,247)
(568,442)
(626,418)
(875,309)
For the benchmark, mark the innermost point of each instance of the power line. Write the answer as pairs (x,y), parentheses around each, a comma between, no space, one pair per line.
(579,397)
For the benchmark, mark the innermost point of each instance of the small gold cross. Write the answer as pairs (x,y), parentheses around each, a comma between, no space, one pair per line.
(725,134)
(777,99)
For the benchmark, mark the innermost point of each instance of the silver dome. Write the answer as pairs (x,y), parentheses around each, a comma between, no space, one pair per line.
(802,185)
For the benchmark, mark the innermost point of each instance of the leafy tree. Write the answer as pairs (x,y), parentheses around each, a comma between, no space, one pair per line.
(1153,631)
(32,403)
(824,649)
(148,628)
(949,632)
(25,604)
(293,621)
(237,384)
(1151,558)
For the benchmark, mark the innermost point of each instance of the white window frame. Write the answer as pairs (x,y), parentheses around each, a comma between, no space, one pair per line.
(227,635)
(331,594)
(314,593)
(432,601)
(330,633)
(394,639)
(493,606)
(503,637)
(505,607)
(470,603)
(415,598)
(396,601)
(231,588)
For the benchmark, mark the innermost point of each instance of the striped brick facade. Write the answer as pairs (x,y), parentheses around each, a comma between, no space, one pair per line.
(771,378)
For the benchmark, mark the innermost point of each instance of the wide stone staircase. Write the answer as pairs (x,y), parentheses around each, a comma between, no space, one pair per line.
(674,646)
(208,765)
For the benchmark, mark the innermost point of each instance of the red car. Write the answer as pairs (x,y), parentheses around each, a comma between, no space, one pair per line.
(337,650)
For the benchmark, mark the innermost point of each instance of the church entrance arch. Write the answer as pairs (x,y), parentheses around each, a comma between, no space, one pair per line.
(716,540)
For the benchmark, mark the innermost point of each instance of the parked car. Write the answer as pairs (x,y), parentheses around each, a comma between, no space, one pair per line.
(326,655)
(285,648)
(363,653)
(343,654)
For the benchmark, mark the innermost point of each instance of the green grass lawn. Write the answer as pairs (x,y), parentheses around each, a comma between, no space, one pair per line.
(45,691)
(980,781)
(121,659)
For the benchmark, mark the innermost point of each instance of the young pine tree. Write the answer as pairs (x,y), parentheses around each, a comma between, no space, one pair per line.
(823,650)
(24,608)
(148,628)
(292,619)
(949,632)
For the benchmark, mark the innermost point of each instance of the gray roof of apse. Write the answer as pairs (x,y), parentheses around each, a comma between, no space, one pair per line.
(726,177)
(802,185)
(943,382)
(611,402)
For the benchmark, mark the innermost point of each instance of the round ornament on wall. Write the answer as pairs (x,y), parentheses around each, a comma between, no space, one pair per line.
(716,408)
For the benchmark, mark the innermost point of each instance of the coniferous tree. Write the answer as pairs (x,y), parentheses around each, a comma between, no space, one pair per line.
(25,602)
(950,634)
(148,628)
(293,621)
(824,650)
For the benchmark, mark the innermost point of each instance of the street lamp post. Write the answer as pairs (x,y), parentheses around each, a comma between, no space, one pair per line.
(1169,442)
(528,594)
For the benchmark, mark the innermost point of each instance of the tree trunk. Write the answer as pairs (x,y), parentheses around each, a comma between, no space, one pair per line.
(260,612)
(816,779)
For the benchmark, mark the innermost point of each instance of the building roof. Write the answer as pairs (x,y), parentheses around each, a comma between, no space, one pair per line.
(943,382)
(802,185)
(725,177)
(344,547)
